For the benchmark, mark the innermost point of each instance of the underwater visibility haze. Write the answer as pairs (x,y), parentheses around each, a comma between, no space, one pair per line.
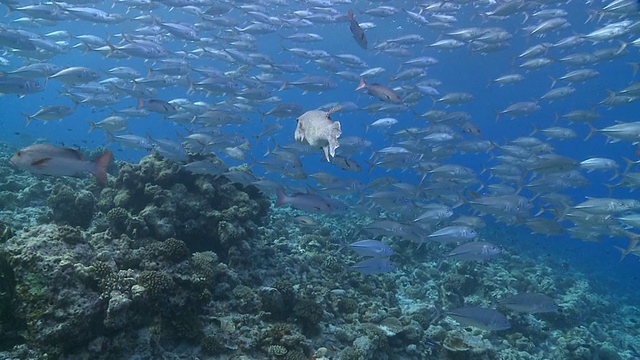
(321,179)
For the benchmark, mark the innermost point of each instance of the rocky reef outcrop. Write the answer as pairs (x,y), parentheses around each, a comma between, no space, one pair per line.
(155,199)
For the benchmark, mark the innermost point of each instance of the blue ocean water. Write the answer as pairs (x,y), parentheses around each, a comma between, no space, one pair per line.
(459,70)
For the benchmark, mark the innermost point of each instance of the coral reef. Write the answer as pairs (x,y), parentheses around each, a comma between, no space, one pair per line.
(71,287)
(71,207)
(207,214)
(171,264)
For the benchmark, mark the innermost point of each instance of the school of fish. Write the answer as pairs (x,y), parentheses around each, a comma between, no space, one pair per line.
(376,94)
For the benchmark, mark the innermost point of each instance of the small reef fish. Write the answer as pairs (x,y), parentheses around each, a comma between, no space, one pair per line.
(51,160)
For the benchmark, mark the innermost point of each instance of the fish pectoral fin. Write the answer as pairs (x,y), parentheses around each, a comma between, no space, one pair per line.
(326,153)
(40,162)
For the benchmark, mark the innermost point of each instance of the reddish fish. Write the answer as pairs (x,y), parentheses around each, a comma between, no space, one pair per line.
(356,30)
(382,92)
(51,160)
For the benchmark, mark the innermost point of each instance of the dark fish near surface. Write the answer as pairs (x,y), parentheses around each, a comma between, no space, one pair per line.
(302,201)
(376,265)
(532,303)
(51,160)
(356,30)
(482,318)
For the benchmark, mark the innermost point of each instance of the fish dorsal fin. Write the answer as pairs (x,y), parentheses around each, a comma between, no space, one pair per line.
(41,162)
(334,109)
(72,153)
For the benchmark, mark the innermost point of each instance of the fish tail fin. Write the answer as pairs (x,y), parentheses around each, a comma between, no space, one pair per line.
(372,164)
(101,164)
(191,89)
(340,241)
(623,46)
(112,48)
(616,174)
(285,85)
(592,130)
(484,170)
(27,118)
(630,163)
(92,125)
(562,210)
(438,312)
(362,84)
(110,137)
(612,187)
(140,104)
(253,161)
(623,252)
(281,197)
